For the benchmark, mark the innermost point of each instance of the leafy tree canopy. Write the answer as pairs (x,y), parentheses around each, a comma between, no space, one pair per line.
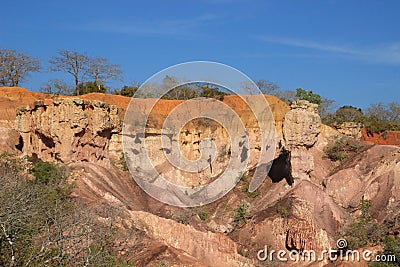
(90,87)
(308,95)
(127,90)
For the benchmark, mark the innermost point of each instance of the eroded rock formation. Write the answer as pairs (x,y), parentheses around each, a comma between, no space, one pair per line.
(68,129)
(210,249)
(97,184)
(349,128)
(301,127)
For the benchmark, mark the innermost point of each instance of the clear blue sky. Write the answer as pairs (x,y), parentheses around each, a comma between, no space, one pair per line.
(348,51)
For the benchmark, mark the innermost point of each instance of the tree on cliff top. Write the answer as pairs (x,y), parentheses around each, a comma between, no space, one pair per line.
(100,70)
(345,114)
(81,66)
(15,66)
(381,117)
(267,87)
(91,87)
(389,112)
(309,96)
(128,90)
(57,87)
(378,118)
(70,62)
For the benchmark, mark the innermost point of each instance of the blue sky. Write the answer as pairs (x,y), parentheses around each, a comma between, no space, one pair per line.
(348,51)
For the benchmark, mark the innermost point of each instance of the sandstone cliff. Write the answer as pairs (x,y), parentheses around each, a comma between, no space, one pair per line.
(352,129)
(73,129)
(68,130)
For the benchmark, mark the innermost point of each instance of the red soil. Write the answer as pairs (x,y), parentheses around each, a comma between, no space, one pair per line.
(386,138)
(13,97)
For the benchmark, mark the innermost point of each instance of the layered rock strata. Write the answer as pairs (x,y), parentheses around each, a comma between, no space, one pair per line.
(68,130)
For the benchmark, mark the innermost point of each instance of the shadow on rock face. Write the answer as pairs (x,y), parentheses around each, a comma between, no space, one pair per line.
(20,144)
(281,168)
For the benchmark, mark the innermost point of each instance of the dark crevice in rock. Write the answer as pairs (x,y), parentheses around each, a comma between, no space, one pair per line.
(80,134)
(147,134)
(106,134)
(46,140)
(88,107)
(20,144)
(281,168)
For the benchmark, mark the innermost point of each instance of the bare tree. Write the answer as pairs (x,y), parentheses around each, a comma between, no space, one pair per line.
(286,95)
(15,66)
(20,210)
(267,87)
(325,107)
(85,235)
(71,62)
(385,112)
(394,108)
(57,87)
(264,86)
(100,70)
(378,111)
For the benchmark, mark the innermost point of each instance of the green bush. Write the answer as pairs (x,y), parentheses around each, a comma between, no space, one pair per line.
(212,92)
(10,162)
(45,172)
(342,148)
(122,162)
(91,87)
(349,114)
(241,215)
(282,211)
(27,207)
(245,189)
(374,125)
(391,247)
(127,90)
(43,226)
(52,179)
(309,96)
(364,231)
(203,212)
(245,186)
(379,118)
